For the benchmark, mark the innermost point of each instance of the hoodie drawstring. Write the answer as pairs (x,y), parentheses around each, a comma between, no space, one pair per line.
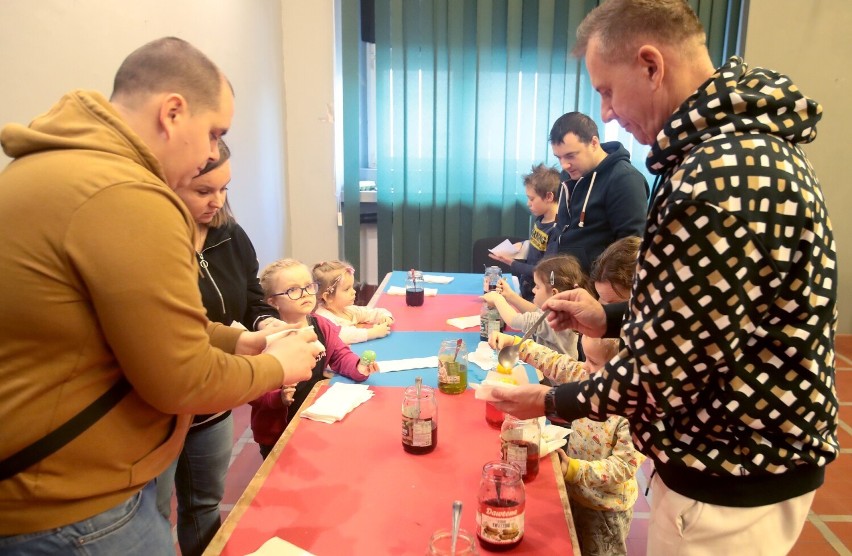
(586,200)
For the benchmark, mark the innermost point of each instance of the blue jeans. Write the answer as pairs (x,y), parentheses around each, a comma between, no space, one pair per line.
(199,478)
(134,527)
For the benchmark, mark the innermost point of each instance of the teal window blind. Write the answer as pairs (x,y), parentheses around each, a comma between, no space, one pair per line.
(466,92)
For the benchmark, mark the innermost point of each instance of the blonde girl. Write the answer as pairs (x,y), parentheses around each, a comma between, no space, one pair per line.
(289,287)
(336,299)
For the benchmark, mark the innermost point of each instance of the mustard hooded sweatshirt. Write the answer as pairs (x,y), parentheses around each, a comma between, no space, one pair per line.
(98,278)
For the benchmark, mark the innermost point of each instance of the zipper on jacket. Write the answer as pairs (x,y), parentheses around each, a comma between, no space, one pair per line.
(202,262)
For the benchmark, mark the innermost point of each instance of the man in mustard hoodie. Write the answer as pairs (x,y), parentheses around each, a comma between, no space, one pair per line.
(99,301)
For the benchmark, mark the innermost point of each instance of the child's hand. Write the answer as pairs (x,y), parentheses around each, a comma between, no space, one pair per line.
(498,340)
(505,289)
(491,298)
(386,320)
(379,330)
(367,370)
(564,460)
(287,394)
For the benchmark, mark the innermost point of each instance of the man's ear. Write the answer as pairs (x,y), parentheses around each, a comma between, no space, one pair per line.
(653,66)
(173,111)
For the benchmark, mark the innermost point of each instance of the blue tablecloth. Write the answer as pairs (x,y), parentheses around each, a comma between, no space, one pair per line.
(464,283)
(404,345)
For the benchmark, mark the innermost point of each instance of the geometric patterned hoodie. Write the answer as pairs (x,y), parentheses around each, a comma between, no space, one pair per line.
(727,374)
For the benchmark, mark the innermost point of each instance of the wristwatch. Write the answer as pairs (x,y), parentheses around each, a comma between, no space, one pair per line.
(550,406)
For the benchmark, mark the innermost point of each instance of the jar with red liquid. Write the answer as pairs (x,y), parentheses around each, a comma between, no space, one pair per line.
(519,444)
(419,419)
(493,416)
(500,508)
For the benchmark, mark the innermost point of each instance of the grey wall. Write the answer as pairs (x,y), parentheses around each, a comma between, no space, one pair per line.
(809,40)
(273,51)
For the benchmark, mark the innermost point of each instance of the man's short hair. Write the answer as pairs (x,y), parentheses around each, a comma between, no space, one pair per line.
(577,123)
(620,24)
(170,65)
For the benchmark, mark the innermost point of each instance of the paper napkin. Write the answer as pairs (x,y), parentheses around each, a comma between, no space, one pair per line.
(398,290)
(279,547)
(465,322)
(436,279)
(484,357)
(552,437)
(337,401)
(408,364)
(272,337)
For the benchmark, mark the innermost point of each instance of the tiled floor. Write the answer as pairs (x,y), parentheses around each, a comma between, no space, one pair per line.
(827,532)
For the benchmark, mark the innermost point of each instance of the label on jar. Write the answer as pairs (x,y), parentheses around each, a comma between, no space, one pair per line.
(517,454)
(449,372)
(416,432)
(500,521)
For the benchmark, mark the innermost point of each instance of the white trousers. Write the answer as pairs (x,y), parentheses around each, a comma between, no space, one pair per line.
(681,526)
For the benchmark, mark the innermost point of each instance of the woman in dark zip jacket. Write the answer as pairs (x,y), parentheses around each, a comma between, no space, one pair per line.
(232,295)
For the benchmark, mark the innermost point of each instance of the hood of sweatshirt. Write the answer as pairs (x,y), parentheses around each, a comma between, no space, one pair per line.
(615,152)
(80,120)
(736,100)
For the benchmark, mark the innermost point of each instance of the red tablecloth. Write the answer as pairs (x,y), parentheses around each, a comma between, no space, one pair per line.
(349,488)
(433,314)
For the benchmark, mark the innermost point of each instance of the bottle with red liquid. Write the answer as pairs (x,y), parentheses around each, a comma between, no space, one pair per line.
(419,419)
(500,509)
(519,444)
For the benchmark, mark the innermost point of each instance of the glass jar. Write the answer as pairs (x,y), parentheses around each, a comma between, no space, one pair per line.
(419,419)
(452,367)
(519,445)
(414,292)
(489,321)
(493,416)
(500,508)
(491,278)
(441,544)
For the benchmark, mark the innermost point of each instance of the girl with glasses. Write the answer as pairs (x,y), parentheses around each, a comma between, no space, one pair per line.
(336,281)
(290,288)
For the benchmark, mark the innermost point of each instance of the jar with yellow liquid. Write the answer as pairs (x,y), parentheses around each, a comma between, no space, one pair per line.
(452,367)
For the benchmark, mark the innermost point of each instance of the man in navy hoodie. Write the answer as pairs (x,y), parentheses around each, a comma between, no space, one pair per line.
(603,197)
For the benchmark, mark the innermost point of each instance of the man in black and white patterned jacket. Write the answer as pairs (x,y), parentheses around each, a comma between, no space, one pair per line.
(727,375)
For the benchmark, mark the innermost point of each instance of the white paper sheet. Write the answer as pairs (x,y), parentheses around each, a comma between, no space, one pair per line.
(465,322)
(408,364)
(437,279)
(279,547)
(398,290)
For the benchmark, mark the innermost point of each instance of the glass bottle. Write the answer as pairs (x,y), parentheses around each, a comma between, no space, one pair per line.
(419,419)
(493,416)
(519,444)
(491,278)
(452,367)
(414,292)
(500,509)
(441,544)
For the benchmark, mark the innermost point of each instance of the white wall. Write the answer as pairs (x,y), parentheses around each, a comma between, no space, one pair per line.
(810,42)
(52,46)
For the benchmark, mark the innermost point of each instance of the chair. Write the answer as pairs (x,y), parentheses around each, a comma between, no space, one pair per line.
(479,253)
